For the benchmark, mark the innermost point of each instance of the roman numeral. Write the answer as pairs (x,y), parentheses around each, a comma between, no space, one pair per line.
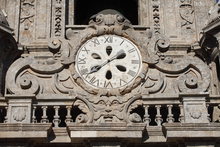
(122,42)
(131,50)
(134,61)
(108,84)
(85,50)
(96,42)
(108,39)
(132,73)
(94,81)
(122,82)
(82,61)
(84,71)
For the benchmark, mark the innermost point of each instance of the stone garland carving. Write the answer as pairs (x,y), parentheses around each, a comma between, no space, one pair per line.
(27,13)
(156,15)
(187,16)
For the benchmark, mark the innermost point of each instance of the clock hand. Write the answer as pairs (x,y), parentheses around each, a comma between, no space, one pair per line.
(98,67)
(95,69)
(119,53)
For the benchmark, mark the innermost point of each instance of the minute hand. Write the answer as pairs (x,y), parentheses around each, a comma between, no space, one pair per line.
(119,53)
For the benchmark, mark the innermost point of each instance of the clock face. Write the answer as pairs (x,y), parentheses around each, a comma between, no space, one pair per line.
(108,62)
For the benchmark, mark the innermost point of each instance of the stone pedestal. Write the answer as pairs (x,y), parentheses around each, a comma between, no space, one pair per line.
(195,110)
(19,110)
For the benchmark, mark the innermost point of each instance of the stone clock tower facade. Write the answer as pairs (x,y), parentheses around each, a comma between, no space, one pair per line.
(109,73)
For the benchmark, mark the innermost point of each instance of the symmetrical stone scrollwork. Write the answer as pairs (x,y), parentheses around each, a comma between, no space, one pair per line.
(53,73)
(109,109)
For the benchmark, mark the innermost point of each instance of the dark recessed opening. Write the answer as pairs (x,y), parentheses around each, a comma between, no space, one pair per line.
(84,9)
(96,56)
(121,68)
(109,50)
(108,75)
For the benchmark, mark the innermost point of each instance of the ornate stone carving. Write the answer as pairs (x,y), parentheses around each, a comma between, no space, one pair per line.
(19,113)
(156,16)
(58,18)
(27,13)
(187,16)
(101,24)
(55,74)
(108,109)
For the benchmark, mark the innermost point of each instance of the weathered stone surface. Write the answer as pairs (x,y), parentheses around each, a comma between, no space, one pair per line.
(109,80)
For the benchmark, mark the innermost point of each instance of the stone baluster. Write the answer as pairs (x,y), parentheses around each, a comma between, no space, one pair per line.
(170,118)
(158,118)
(44,117)
(56,119)
(181,117)
(68,116)
(146,116)
(33,115)
(6,116)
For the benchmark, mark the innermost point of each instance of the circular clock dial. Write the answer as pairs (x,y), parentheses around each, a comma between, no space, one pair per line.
(108,62)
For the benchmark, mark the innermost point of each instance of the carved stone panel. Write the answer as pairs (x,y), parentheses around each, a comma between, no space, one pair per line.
(19,111)
(195,110)
(35,18)
(58,18)
(27,19)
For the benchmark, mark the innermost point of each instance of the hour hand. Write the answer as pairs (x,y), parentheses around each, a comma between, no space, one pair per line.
(95,69)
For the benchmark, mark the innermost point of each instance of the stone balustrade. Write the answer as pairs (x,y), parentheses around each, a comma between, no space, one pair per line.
(152,115)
